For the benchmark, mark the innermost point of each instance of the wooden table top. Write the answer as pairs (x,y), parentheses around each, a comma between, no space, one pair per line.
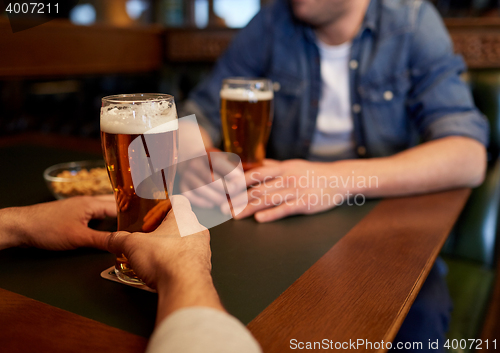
(362,288)
(365,285)
(31,326)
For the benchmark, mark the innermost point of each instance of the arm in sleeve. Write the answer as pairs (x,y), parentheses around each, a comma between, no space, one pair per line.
(247,56)
(202,330)
(440,102)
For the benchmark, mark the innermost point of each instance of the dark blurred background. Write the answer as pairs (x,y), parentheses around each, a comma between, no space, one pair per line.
(61,98)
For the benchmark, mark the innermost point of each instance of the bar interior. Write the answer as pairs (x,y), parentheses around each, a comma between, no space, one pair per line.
(249,176)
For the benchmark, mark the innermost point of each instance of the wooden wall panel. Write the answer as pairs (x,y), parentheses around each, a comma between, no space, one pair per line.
(477,39)
(59,48)
(197,45)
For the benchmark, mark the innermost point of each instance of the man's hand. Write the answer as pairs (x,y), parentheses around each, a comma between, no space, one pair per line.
(56,225)
(178,267)
(195,173)
(163,254)
(196,177)
(281,189)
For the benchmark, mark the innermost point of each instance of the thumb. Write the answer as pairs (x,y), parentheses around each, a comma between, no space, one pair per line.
(112,242)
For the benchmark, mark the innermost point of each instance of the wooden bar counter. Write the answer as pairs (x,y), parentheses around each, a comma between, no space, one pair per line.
(346,274)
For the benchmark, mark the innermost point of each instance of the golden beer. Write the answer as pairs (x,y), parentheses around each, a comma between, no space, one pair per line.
(143,206)
(246,115)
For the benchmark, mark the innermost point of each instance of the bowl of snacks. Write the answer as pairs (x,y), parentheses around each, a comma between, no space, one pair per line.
(78,178)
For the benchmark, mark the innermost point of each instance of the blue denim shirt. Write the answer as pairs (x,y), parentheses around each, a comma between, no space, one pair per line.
(404,80)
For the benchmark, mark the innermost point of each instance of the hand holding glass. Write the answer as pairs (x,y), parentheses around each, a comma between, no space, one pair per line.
(139,138)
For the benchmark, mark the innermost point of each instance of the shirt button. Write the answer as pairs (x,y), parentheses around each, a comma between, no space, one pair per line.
(388,95)
(353,64)
(361,150)
(356,108)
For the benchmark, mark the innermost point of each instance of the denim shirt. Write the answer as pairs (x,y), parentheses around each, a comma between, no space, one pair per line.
(405,84)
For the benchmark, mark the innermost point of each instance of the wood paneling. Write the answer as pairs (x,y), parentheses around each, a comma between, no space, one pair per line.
(59,48)
(197,45)
(365,285)
(477,39)
(31,326)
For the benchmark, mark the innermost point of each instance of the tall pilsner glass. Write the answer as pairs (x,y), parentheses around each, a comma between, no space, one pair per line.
(139,140)
(246,116)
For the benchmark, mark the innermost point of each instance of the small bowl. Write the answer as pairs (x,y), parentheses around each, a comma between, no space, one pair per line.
(78,178)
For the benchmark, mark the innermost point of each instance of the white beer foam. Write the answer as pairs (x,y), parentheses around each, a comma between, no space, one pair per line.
(243,94)
(149,118)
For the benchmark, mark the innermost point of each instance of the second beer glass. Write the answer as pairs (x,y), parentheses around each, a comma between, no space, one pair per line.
(247,114)
(139,141)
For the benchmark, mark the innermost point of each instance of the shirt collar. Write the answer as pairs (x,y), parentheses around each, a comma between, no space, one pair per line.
(371,16)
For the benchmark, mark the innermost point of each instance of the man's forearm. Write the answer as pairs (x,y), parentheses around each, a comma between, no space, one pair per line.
(436,165)
(189,291)
(10,228)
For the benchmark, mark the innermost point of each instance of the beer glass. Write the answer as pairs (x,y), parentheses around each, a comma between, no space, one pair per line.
(247,114)
(139,143)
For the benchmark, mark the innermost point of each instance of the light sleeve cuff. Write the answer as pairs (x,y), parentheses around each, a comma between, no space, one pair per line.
(469,124)
(203,330)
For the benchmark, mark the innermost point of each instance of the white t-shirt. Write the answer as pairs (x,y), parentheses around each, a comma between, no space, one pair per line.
(333,137)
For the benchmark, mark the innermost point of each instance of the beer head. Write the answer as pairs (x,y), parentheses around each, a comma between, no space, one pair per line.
(138,114)
(246,89)
(244,94)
